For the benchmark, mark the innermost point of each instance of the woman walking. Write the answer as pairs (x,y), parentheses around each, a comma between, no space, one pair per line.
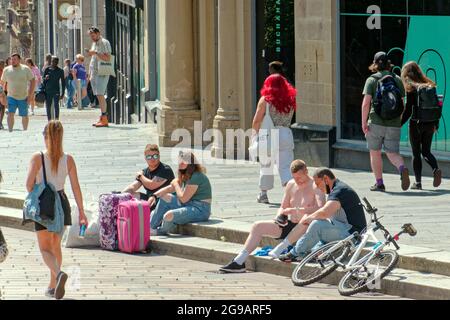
(192,202)
(278,98)
(420,132)
(58,166)
(37,76)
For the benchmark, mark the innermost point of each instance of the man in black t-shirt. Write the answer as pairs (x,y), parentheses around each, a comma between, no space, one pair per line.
(341,216)
(153,178)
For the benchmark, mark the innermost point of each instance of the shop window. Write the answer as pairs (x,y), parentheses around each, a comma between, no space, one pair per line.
(409,30)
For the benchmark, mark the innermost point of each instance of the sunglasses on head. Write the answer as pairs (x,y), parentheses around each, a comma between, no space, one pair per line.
(153,157)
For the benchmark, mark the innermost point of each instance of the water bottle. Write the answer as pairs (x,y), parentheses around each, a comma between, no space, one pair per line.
(82,231)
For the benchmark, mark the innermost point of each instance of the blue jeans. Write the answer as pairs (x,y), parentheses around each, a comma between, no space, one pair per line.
(190,212)
(70,93)
(320,232)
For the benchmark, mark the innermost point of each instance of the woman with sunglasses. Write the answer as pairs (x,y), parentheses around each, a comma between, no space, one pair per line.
(58,166)
(156,176)
(187,200)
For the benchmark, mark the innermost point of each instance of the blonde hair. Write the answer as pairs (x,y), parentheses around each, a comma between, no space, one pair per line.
(80,56)
(413,77)
(54,132)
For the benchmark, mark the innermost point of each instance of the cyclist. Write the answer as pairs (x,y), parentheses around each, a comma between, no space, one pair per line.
(341,216)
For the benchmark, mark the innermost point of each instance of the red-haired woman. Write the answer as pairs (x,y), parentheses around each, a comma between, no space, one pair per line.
(278,98)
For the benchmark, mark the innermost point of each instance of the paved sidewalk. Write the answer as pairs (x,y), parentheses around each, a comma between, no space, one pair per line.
(108,159)
(100,275)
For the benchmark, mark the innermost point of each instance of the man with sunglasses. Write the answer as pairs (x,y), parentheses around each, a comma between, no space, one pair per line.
(153,178)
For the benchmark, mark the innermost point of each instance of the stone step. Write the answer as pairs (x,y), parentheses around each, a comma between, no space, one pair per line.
(401,282)
(411,257)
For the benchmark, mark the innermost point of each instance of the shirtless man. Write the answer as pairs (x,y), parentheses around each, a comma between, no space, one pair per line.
(302,197)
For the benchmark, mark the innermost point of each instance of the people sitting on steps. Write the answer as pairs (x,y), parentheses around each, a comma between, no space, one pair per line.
(187,200)
(155,177)
(302,197)
(342,215)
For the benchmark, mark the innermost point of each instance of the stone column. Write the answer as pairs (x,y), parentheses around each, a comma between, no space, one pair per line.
(177,78)
(315,47)
(228,116)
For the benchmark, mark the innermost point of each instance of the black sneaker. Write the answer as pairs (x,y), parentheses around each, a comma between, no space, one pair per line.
(378,188)
(416,186)
(233,267)
(61,280)
(282,220)
(289,257)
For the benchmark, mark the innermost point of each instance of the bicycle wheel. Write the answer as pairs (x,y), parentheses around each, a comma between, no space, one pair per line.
(368,277)
(310,270)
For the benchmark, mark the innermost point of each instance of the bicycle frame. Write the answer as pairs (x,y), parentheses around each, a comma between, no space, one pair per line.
(354,263)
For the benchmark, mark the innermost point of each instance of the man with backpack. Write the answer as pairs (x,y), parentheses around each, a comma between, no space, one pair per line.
(382,111)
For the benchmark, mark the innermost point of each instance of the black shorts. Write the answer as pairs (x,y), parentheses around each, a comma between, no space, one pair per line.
(286,230)
(67,213)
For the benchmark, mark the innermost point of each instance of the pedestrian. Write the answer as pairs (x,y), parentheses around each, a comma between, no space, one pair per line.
(278,98)
(54,88)
(79,74)
(21,83)
(37,76)
(422,124)
(340,217)
(382,110)
(59,166)
(187,200)
(100,50)
(276,67)
(8,61)
(155,177)
(301,197)
(68,78)
(47,63)
(3,93)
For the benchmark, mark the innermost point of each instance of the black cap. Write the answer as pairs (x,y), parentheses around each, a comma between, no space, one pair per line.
(380,57)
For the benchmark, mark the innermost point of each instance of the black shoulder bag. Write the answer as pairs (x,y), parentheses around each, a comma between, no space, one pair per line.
(47,198)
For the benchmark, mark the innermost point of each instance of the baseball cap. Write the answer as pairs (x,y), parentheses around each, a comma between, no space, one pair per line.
(380,57)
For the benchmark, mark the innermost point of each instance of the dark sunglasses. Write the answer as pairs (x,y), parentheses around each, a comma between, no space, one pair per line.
(153,157)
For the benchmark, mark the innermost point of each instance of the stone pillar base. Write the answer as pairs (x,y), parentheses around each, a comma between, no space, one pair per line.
(171,119)
(228,150)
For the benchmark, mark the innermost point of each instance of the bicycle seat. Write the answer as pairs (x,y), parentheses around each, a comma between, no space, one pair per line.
(409,229)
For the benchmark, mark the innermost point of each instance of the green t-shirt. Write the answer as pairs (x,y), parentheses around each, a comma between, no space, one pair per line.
(371,89)
(204,191)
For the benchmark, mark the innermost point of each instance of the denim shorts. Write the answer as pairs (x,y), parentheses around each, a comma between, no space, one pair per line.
(99,85)
(14,104)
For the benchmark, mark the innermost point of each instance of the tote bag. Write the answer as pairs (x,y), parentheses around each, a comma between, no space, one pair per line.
(265,137)
(106,68)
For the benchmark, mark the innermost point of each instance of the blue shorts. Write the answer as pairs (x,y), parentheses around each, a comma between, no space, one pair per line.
(13,104)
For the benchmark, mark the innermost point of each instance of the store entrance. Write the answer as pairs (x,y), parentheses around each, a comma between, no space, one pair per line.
(275,38)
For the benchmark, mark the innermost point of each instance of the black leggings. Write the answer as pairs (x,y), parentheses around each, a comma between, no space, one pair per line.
(421,138)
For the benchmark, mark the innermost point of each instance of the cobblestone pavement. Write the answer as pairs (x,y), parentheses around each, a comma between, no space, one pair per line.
(96,274)
(108,159)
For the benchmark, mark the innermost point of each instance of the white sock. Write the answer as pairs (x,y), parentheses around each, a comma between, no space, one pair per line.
(275,253)
(242,257)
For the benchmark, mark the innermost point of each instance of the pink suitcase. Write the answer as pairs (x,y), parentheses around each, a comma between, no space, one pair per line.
(133,226)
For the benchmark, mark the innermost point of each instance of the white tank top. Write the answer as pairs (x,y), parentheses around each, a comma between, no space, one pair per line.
(58,180)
